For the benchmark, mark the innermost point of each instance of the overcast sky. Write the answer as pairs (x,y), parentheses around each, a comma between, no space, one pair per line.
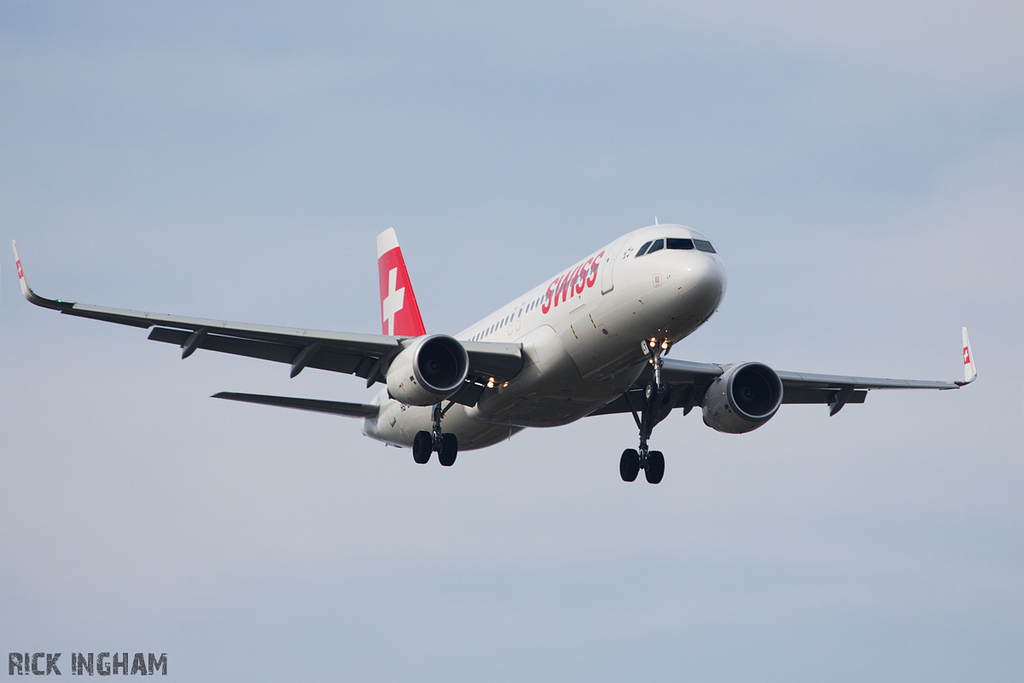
(859,167)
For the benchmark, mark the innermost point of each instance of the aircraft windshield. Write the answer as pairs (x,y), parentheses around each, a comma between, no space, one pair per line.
(675,243)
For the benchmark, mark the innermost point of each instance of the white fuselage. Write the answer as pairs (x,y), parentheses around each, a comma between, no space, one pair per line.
(581,333)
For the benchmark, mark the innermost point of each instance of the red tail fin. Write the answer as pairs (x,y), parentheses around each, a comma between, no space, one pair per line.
(399,312)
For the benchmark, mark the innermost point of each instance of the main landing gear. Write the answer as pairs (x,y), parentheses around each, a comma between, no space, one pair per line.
(655,405)
(425,443)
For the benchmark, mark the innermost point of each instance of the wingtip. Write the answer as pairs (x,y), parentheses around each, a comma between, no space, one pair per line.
(25,289)
(970,369)
(27,292)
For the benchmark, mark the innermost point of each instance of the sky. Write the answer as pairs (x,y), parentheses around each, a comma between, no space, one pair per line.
(858,166)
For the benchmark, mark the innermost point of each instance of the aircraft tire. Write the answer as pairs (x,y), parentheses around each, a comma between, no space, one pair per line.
(655,469)
(449,449)
(422,447)
(629,464)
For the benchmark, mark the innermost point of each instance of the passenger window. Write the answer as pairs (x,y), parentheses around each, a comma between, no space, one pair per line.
(704,245)
(643,250)
(679,243)
(658,244)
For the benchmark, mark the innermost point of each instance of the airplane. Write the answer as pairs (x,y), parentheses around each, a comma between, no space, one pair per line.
(591,340)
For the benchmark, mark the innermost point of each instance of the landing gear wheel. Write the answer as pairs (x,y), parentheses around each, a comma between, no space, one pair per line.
(629,464)
(449,449)
(655,468)
(422,447)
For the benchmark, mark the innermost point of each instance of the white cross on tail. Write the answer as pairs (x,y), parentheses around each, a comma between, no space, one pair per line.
(393,302)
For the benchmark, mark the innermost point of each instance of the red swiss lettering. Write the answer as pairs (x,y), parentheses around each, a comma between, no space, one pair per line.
(581,278)
(546,306)
(571,282)
(592,278)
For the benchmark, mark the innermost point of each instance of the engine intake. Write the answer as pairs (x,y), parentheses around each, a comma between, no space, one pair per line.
(430,370)
(743,398)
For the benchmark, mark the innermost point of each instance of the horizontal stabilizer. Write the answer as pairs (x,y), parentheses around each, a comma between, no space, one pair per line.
(312,404)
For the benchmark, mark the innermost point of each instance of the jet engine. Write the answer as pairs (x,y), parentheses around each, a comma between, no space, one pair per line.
(743,398)
(428,371)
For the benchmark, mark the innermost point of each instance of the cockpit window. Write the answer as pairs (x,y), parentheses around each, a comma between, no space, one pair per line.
(679,243)
(675,243)
(704,245)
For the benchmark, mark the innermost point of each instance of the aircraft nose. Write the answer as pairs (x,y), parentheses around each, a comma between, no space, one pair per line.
(701,280)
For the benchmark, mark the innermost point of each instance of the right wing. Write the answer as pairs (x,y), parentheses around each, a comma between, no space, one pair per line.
(364,355)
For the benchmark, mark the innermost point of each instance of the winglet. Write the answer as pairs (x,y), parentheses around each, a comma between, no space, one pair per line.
(34,298)
(970,370)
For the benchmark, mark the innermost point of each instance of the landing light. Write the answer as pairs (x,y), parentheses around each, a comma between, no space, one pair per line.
(490,383)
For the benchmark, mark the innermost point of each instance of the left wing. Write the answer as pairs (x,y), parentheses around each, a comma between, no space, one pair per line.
(364,355)
(687,382)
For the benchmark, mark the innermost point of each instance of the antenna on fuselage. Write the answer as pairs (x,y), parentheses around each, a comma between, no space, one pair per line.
(655,220)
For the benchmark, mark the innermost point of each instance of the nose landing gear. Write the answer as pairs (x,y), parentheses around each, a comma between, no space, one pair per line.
(655,405)
(425,443)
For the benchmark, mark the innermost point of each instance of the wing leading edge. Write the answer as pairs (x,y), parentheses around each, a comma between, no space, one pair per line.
(365,355)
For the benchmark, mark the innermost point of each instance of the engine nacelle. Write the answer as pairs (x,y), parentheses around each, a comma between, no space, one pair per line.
(430,370)
(743,398)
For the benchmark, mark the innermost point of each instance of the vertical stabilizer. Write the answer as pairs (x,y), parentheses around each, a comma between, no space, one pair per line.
(399,312)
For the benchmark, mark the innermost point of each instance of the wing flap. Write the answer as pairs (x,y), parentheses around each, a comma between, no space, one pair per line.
(324,358)
(798,395)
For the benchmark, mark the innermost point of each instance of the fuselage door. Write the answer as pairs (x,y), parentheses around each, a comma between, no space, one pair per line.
(608,265)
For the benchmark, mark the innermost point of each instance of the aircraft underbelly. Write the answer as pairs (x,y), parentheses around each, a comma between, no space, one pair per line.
(547,401)
(398,425)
